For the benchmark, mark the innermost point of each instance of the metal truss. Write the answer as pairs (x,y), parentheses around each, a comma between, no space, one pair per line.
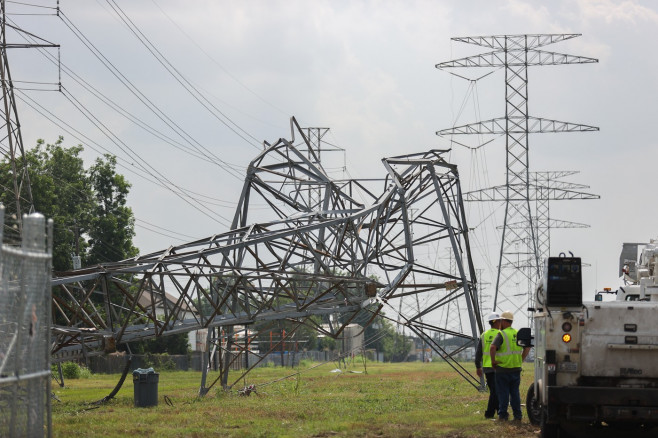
(519,266)
(357,249)
(544,187)
(11,140)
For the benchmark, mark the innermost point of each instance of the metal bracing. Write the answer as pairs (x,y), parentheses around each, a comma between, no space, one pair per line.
(519,265)
(12,152)
(548,186)
(544,187)
(301,262)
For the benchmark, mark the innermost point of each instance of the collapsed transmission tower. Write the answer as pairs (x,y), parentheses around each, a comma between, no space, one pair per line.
(519,264)
(308,261)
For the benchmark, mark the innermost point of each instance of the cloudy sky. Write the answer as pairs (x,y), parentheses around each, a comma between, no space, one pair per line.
(364,69)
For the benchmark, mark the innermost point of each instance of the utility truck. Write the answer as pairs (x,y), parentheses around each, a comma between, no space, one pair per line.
(596,363)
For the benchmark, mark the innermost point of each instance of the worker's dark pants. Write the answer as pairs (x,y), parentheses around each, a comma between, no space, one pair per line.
(492,405)
(507,388)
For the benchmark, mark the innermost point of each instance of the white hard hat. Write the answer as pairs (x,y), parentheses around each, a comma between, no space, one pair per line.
(507,315)
(493,316)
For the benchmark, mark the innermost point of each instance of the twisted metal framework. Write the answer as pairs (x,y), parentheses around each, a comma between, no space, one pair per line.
(519,253)
(314,261)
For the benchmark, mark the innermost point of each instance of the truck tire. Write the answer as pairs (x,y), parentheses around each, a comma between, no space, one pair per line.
(532,406)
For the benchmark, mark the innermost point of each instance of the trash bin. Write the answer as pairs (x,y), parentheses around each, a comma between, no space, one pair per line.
(145,382)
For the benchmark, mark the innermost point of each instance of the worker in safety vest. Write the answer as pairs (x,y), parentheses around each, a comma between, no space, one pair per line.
(483,362)
(507,358)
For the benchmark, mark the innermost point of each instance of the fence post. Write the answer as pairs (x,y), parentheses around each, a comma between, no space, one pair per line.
(25,300)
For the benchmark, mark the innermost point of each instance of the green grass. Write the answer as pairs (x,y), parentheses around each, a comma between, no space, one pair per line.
(391,400)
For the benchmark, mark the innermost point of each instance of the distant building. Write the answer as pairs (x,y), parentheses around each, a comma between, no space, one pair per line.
(353,339)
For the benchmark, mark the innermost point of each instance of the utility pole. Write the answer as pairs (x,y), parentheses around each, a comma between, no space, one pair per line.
(519,255)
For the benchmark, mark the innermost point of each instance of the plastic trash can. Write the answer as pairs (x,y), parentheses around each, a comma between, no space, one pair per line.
(145,382)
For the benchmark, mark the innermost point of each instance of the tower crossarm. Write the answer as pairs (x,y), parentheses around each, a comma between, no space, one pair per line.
(551,175)
(516,193)
(552,223)
(561,185)
(530,41)
(497,193)
(516,58)
(557,223)
(517,124)
(557,194)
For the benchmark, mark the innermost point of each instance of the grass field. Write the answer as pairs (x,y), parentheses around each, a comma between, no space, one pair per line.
(390,400)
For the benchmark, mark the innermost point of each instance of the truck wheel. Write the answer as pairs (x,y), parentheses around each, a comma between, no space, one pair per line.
(532,406)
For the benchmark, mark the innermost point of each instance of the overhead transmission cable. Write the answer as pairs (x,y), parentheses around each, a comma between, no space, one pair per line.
(136,171)
(101,149)
(182,80)
(231,169)
(224,69)
(144,164)
(134,90)
(163,181)
(477,171)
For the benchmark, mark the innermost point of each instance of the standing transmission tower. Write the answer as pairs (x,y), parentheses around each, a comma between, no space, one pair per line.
(18,195)
(548,186)
(518,267)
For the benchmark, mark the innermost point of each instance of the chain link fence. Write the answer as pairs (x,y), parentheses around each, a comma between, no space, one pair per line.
(25,301)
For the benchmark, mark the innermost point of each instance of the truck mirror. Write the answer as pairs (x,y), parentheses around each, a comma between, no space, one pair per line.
(598,297)
(524,337)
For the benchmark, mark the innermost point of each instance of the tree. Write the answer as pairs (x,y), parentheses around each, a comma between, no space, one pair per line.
(112,226)
(172,344)
(88,206)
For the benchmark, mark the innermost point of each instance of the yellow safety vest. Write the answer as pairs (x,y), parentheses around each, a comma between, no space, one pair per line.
(509,355)
(487,339)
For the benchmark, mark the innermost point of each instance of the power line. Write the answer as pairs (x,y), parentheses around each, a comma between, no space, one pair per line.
(182,80)
(230,168)
(224,69)
(144,164)
(101,149)
(135,91)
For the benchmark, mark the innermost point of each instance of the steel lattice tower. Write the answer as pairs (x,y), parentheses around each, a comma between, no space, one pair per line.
(519,253)
(11,140)
(549,185)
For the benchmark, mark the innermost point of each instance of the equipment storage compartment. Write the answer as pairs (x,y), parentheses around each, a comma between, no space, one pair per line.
(620,340)
(145,382)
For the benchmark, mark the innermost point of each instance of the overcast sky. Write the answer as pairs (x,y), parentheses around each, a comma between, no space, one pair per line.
(366,70)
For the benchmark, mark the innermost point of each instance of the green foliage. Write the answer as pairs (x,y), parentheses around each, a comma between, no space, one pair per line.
(306,363)
(71,370)
(327,343)
(159,362)
(172,344)
(88,206)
